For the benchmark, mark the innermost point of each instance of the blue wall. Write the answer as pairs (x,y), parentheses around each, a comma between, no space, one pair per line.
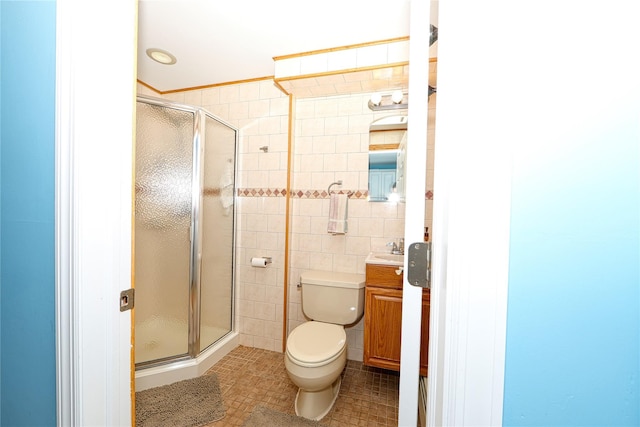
(27,213)
(573,333)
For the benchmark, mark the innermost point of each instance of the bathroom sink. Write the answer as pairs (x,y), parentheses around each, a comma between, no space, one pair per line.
(385,259)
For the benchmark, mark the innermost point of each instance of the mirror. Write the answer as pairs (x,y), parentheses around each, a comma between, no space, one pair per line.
(387,154)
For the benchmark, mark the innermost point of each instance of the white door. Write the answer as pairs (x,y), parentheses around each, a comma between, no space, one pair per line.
(470,235)
(95,96)
(468,294)
(415,207)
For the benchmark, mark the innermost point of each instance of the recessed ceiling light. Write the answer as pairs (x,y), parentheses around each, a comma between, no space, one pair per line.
(161,56)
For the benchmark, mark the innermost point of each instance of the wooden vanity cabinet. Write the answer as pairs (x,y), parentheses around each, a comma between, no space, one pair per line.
(383,319)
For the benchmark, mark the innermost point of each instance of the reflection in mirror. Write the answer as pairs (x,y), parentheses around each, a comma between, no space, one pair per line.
(387,151)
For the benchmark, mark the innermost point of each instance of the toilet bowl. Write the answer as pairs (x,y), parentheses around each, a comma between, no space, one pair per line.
(315,357)
(316,351)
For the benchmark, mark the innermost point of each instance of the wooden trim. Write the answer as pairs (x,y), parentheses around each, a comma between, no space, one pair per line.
(235,82)
(149,86)
(287,226)
(279,86)
(381,147)
(345,71)
(186,89)
(385,130)
(132,362)
(339,48)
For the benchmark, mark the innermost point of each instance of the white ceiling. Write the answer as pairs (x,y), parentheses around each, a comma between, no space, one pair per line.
(218,41)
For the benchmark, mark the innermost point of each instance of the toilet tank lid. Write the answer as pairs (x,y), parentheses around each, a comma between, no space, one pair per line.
(330,278)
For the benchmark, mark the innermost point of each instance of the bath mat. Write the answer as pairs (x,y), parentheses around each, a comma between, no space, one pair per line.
(262,416)
(187,403)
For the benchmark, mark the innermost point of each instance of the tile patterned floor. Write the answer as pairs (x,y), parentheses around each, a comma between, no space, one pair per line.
(249,376)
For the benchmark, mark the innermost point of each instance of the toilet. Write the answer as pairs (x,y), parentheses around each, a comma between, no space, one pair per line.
(316,351)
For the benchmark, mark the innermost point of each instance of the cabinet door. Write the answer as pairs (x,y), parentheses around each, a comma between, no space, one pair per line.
(382,323)
(383,329)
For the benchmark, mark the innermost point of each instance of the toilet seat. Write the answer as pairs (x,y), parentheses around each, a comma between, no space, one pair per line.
(316,343)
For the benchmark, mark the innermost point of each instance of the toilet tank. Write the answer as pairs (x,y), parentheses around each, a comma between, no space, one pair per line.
(333,297)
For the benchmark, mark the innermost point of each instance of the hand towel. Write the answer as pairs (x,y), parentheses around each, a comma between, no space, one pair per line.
(338,210)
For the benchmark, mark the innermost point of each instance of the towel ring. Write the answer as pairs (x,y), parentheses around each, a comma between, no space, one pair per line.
(332,184)
(339,182)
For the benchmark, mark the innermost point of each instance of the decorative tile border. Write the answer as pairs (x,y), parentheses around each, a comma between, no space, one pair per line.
(324,194)
(261,192)
(307,194)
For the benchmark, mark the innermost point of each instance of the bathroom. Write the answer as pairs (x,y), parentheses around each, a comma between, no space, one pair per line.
(330,144)
(567,141)
(324,140)
(341,145)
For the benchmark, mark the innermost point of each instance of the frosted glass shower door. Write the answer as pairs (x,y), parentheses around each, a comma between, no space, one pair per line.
(216,274)
(163,215)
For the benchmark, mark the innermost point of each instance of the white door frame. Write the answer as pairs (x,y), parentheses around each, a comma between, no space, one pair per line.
(95,96)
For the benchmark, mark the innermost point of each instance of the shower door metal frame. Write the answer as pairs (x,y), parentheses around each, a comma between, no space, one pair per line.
(195,233)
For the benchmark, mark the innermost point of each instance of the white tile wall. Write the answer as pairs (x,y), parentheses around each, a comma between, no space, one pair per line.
(330,142)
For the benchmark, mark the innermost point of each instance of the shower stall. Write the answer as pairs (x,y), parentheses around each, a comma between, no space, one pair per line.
(184,241)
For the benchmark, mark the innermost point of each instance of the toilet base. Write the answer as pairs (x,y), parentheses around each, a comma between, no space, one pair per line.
(314,405)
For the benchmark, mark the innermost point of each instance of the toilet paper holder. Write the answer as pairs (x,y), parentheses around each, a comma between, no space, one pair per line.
(260,261)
